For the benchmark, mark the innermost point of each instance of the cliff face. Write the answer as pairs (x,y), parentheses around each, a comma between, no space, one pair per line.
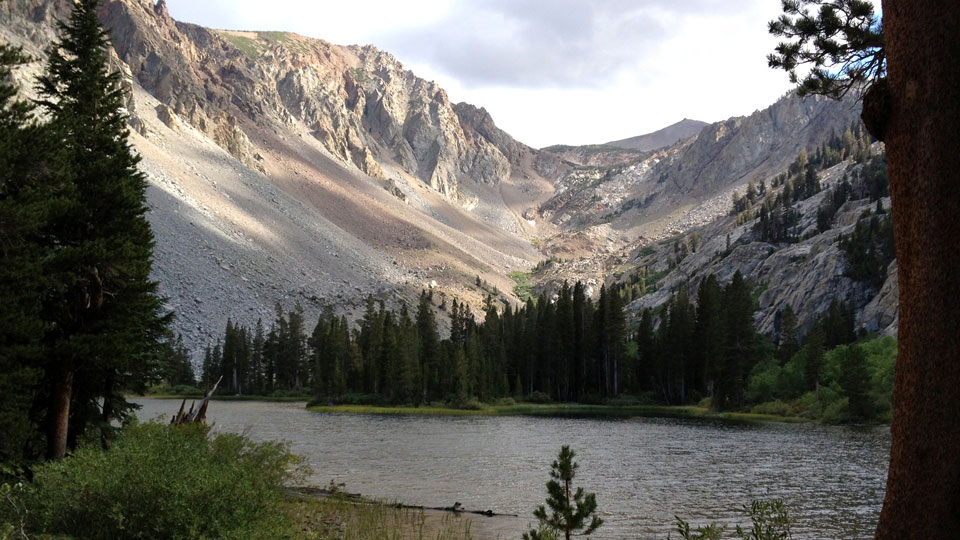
(807,275)
(359,102)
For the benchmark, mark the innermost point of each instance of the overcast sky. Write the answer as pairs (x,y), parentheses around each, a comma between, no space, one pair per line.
(551,71)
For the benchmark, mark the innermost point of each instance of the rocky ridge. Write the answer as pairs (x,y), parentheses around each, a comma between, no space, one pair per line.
(661,138)
(807,275)
(723,155)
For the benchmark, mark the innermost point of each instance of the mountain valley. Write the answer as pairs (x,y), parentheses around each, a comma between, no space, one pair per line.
(288,170)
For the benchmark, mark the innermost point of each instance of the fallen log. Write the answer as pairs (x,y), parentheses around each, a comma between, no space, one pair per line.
(457,508)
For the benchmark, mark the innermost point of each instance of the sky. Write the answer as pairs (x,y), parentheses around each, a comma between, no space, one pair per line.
(551,71)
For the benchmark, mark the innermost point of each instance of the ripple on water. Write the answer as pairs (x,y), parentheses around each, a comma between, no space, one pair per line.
(644,471)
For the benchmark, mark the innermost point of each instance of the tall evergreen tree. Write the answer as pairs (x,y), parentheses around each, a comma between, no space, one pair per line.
(787,335)
(815,348)
(104,308)
(31,197)
(429,343)
(708,334)
(739,337)
(855,383)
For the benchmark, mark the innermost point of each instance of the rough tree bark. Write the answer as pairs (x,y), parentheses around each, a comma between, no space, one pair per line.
(923,146)
(58,417)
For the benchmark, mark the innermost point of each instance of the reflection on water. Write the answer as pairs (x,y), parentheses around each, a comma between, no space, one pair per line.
(644,471)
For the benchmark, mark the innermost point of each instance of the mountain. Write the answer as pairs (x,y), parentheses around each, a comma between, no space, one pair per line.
(691,181)
(625,150)
(660,138)
(288,170)
(807,273)
(285,170)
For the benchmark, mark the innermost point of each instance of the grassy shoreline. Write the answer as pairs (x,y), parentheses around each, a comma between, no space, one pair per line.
(558,410)
(565,410)
(278,399)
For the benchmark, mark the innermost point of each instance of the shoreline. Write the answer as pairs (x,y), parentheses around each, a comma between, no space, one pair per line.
(555,410)
(566,410)
(274,399)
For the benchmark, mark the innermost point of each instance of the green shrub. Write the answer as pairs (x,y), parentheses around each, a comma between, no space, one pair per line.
(776,408)
(280,393)
(762,383)
(768,521)
(537,397)
(186,390)
(162,481)
(506,402)
(837,412)
(360,399)
(626,400)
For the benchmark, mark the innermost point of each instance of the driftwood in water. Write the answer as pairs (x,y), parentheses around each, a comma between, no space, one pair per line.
(196,415)
(457,508)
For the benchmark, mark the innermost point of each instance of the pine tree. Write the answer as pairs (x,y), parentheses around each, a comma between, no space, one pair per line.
(569,509)
(787,343)
(739,337)
(708,334)
(815,349)
(429,347)
(855,383)
(103,306)
(27,209)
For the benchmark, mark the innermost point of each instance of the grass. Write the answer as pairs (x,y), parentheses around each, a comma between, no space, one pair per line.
(247,46)
(335,518)
(524,284)
(566,410)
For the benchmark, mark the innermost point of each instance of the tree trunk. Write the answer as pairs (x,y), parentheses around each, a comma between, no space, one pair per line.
(923,145)
(59,414)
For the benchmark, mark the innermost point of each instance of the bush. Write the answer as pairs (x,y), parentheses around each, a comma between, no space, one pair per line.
(279,393)
(776,408)
(506,402)
(837,412)
(769,521)
(591,399)
(360,399)
(537,397)
(186,390)
(162,481)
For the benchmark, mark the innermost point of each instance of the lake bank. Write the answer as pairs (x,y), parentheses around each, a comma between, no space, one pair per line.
(189,397)
(563,410)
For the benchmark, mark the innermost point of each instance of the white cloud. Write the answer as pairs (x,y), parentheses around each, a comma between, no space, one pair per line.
(552,71)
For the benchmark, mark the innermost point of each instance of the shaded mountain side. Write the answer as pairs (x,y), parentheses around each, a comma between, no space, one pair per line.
(662,137)
(807,274)
(828,255)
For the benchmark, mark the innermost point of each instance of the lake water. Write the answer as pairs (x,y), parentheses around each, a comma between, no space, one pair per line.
(644,471)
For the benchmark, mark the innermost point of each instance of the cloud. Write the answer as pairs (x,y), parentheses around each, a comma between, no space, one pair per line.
(550,71)
(540,44)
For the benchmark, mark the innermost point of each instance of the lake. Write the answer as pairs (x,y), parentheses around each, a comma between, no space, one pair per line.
(644,470)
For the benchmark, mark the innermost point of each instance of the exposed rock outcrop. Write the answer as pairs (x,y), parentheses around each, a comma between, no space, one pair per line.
(807,275)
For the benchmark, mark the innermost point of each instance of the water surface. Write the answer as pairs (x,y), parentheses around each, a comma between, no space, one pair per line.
(644,471)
